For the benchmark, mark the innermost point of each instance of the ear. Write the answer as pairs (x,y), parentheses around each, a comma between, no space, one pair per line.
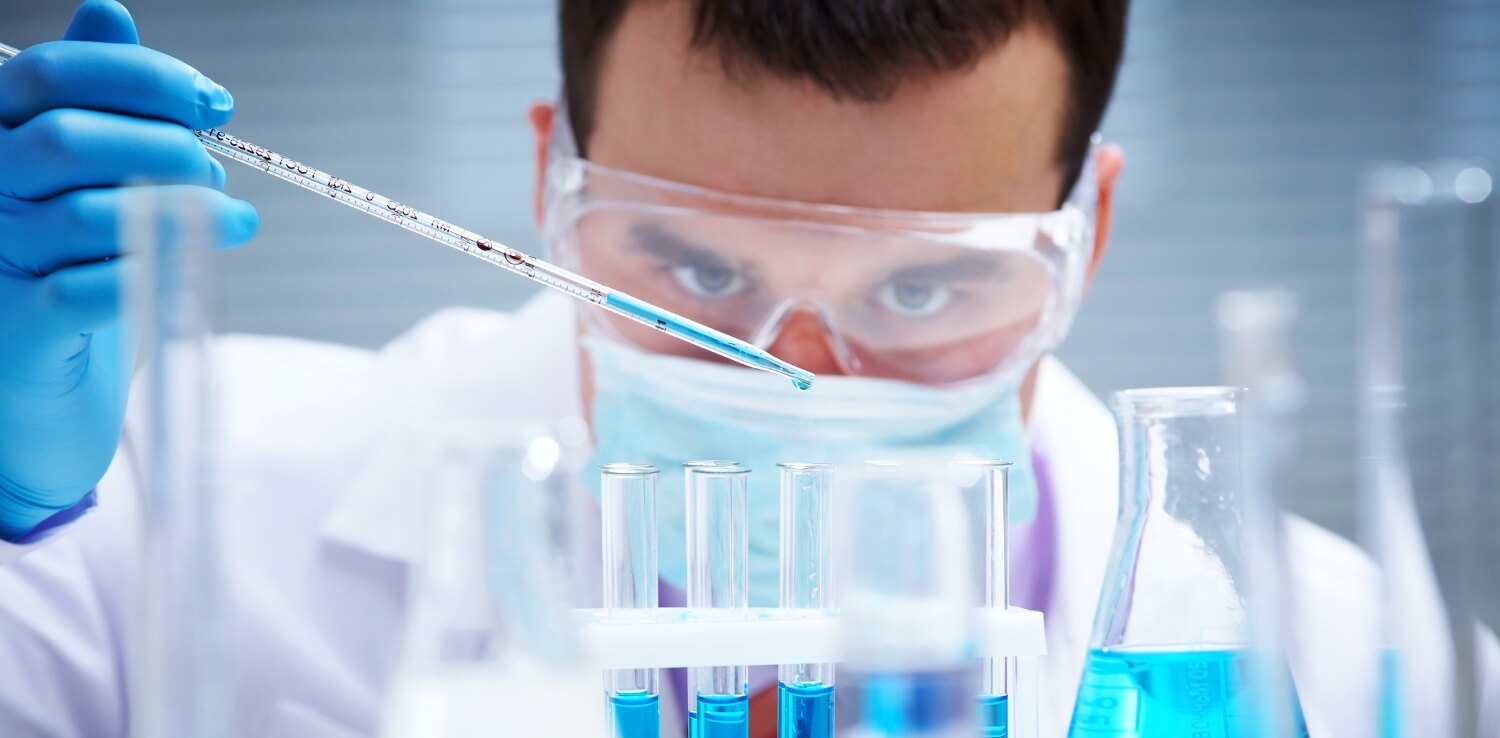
(1109,162)
(540,116)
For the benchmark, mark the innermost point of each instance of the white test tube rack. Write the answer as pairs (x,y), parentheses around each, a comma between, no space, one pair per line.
(672,637)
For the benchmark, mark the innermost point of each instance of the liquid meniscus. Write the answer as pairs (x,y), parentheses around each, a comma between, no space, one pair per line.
(720,716)
(994,715)
(805,710)
(635,715)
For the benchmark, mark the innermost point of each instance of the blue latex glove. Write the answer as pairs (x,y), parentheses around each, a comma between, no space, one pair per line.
(81,117)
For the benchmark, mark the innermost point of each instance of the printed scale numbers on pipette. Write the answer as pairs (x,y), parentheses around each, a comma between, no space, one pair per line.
(473,244)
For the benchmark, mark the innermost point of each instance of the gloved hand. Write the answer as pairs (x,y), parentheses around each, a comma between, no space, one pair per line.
(81,117)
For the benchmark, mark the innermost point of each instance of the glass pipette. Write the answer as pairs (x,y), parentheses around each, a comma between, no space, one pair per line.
(491,251)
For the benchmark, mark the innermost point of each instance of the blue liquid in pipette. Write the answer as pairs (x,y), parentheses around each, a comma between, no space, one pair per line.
(635,715)
(705,337)
(805,710)
(720,716)
(994,715)
(1144,694)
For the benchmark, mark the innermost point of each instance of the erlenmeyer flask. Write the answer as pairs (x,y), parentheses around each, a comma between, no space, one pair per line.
(1172,650)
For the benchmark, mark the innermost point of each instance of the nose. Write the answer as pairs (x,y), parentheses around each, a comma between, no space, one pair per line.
(803,341)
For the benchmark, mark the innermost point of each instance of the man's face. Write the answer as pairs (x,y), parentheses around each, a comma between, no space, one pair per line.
(974,140)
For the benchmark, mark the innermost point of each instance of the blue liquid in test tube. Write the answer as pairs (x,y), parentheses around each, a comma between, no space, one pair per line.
(994,715)
(718,554)
(636,714)
(805,691)
(720,716)
(805,710)
(991,485)
(628,520)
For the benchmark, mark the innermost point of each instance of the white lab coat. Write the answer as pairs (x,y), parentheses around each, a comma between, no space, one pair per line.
(318,549)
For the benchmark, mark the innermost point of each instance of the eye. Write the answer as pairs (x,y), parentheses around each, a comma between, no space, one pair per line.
(913,299)
(713,281)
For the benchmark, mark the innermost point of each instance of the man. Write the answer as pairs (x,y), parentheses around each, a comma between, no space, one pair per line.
(902,197)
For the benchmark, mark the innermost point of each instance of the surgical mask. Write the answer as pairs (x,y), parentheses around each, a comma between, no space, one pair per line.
(664,410)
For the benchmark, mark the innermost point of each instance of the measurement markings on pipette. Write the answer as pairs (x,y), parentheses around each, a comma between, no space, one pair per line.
(473,244)
(401,215)
(306,177)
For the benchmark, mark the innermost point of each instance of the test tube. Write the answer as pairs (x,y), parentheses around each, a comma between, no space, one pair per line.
(805,691)
(996,674)
(628,493)
(718,552)
(179,684)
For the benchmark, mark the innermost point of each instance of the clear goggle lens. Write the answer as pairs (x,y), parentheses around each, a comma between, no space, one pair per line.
(931,298)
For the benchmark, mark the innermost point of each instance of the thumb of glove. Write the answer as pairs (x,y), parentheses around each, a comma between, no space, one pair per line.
(105,21)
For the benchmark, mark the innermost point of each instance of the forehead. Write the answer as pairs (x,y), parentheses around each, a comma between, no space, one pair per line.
(980,139)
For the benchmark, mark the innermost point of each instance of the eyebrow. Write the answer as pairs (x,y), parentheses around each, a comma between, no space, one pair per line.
(967,267)
(669,246)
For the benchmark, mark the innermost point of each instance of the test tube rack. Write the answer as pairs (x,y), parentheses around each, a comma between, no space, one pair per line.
(681,637)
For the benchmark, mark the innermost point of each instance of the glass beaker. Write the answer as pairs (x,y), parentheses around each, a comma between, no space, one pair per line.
(1173,651)
(907,600)
(489,644)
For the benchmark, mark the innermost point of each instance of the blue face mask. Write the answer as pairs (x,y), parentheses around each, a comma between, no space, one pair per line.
(665,410)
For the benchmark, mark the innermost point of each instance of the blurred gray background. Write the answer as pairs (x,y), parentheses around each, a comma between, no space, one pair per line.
(1246,127)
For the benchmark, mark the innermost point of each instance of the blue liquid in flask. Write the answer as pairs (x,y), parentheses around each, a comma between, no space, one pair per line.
(805,710)
(720,716)
(994,715)
(635,714)
(1146,694)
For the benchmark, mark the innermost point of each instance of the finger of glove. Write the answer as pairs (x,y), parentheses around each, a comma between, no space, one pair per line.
(88,297)
(102,20)
(68,149)
(115,78)
(86,225)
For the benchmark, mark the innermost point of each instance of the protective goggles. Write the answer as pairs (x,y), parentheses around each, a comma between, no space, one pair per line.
(929,297)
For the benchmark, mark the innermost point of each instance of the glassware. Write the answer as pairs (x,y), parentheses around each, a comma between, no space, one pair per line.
(1255,329)
(986,485)
(179,680)
(628,499)
(907,595)
(718,557)
(1173,651)
(805,704)
(490,643)
(1426,443)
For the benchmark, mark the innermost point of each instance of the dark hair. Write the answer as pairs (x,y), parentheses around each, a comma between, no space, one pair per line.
(864,49)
